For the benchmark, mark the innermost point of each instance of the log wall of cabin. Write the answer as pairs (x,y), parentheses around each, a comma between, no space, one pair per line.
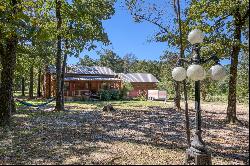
(94,86)
(74,88)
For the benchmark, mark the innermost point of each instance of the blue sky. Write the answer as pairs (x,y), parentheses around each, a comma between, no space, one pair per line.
(129,37)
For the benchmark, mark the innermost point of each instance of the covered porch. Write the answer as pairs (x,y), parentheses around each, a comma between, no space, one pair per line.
(75,88)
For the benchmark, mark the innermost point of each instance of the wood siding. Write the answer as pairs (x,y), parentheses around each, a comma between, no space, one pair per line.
(141,89)
(77,88)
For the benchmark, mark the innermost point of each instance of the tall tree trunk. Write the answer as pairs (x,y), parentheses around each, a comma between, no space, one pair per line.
(23,86)
(39,93)
(177,97)
(31,91)
(13,104)
(231,108)
(184,82)
(8,61)
(59,106)
(63,70)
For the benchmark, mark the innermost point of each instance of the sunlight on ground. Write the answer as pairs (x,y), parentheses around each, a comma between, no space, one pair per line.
(137,132)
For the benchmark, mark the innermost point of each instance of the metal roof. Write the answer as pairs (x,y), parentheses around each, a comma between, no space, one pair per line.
(102,73)
(94,70)
(89,78)
(138,77)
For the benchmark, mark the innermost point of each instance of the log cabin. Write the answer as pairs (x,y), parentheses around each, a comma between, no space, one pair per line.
(86,81)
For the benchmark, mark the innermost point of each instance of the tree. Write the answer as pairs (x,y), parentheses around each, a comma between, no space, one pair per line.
(23,86)
(59,104)
(8,46)
(19,22)
(168,61)
(228,22)
(146,66)
(173,34)
(128,61)
(31,87)
(30,60)
(178,14)
(109,58)
(87,61)
(167,23)
(79,25)
(39,80)
(243,78)
(21,70)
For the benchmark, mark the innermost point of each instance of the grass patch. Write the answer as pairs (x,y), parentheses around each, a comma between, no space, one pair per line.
(117,104)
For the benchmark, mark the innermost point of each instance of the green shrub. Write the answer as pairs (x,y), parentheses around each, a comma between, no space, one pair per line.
(115,94)
(127,86)
(105,95)
(141,97)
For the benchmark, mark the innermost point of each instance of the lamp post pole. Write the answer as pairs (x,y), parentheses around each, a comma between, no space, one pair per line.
(195,72)
(198,150)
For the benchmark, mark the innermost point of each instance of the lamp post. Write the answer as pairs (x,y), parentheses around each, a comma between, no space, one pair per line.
(195,72)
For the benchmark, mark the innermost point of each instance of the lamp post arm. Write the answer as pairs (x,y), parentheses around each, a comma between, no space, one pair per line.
(213,57)
(183,60)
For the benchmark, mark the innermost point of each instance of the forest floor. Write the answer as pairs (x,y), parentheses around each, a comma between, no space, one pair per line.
(137,132)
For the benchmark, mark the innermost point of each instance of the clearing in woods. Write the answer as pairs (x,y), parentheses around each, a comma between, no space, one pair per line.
(137,132)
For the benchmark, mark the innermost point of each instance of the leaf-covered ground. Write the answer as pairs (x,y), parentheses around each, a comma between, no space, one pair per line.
(136,133)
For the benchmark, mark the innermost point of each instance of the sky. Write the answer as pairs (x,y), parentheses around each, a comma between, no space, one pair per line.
(127,36)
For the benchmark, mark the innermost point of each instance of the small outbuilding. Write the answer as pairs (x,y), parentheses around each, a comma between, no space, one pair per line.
(141,82)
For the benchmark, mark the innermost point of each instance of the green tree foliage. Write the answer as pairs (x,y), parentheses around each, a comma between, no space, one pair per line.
(87,61)
(13,24)
(226,22)
(109,58)
(243,78)
(109,94)
(172,24)
(167,63)
(128,61)
(146,66)
(127,86)
(78,25)
(34,24)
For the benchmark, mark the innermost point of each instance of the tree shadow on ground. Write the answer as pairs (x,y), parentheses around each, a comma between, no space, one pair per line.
(52,137)
(225,140)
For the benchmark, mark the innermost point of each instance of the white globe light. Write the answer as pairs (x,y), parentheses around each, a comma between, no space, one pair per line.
(218,72)
(204,75)
(195,36)
(196,72)
(179,74)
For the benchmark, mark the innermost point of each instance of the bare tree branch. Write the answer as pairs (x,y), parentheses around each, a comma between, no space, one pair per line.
(141,17)
(218,22)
